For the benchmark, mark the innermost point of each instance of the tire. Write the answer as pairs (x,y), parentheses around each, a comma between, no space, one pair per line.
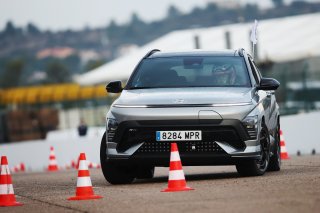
(257,167)
(145,173)
(275,160)
(113,173)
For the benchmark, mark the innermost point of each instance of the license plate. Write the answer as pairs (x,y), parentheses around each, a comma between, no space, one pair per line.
(193,135)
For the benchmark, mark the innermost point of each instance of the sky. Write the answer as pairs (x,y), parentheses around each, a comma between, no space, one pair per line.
(78,14)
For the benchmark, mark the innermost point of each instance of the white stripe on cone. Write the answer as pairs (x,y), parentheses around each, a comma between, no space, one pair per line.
(283,149)
(84,181)
(5,170)
(175,156)
(176,175)
(6,189)
(53,162)
(83,165)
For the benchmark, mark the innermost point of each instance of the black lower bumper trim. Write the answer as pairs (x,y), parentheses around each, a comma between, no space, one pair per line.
(193,159)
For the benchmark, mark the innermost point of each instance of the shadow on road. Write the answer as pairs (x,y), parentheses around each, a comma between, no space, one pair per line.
(193,177)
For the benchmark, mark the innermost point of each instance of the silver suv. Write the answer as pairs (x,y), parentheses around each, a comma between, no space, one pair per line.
(215,105)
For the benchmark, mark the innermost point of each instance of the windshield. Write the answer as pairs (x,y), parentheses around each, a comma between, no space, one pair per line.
(208,71)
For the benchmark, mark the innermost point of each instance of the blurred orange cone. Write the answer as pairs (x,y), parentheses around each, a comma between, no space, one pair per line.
(22,167)
(7,197)
(15,169)
(52,161)
(177,180)
(90,165)
(78,161)
(84,189)
(73,164)
(284,154)
(18,168)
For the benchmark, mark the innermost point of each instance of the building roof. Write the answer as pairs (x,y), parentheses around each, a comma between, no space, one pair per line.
(279,40)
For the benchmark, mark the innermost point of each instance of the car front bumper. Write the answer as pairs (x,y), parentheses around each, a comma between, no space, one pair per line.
(224,142)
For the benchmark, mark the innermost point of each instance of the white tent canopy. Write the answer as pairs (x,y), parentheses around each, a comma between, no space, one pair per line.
(281,39)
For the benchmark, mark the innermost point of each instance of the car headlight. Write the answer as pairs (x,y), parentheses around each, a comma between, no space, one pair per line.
(112,126)
(251,125)
(250,121)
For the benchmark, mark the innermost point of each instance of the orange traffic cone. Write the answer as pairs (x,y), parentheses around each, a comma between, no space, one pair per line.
(52,161)
(283,154)
(84,189)
(176,180)
(18,168)
(7,197)
(22,167)
(90,165)
(15,169)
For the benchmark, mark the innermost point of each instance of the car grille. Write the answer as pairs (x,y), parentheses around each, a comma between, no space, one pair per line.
(184,147)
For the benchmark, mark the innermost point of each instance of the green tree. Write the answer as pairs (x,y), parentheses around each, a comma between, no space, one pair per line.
(114,31)
(173,12)
(72,63)
(212,7)
(93,64)
(135,20)
(12,73)
(10,29)
(57,73)
(135,30)
(32,29)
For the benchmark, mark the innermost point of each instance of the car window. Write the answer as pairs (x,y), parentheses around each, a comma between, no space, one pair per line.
(191,72)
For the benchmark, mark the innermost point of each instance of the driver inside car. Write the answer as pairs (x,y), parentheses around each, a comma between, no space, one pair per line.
(224,75)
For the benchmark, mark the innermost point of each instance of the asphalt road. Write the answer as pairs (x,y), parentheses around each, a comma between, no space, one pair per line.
(296,188)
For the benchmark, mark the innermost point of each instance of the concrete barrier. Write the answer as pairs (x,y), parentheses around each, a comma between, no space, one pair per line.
(67,145)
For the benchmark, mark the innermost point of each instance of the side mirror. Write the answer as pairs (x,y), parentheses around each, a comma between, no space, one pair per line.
(114,87)
(268,84)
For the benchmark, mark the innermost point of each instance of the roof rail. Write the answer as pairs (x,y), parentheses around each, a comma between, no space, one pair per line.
(151,52)
(241,52)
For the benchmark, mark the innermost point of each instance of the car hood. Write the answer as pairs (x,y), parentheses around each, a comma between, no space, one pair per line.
(185,96)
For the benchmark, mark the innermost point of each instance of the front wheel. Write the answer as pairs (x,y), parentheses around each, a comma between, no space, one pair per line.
(113,173)
(275,160)
(257,167)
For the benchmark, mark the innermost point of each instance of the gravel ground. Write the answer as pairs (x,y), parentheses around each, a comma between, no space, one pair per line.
(296,188)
